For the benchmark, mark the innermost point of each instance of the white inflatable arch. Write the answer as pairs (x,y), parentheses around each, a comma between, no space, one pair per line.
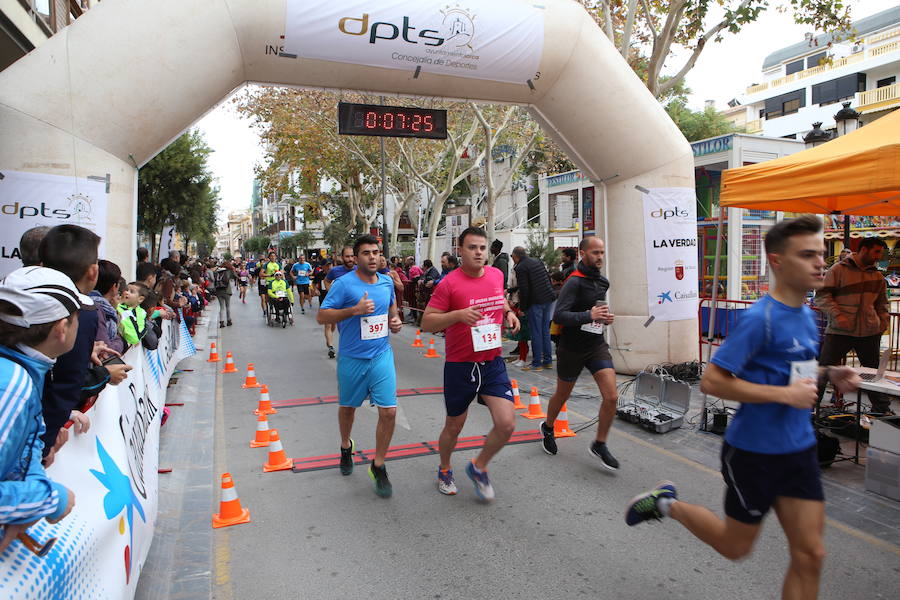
(109,92)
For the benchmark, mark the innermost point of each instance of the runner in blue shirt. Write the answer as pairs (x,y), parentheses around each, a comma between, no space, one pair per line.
(362,305)
(301,272)
(348,261)
(769,459)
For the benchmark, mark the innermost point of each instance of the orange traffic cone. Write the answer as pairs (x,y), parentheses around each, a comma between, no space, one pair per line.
(250,381)
(213,353)
(418,343)
(230,511)
(534,406)
(516,397)
(278,460)
(561,424)
(229,364)
(431,352)
(262,432)
(265,405)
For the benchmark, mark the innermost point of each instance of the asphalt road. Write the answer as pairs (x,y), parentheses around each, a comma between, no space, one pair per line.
(555,530)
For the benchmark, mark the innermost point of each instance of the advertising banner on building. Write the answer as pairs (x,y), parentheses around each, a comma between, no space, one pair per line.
(500,40)
(670,234)
(112,469)
(31,199)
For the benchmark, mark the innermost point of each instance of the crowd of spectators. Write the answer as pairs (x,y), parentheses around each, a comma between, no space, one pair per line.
(67,318)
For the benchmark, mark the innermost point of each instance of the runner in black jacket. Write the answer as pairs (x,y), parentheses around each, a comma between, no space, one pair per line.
(583,344)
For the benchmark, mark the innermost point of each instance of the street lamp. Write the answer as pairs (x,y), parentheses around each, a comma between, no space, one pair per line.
(847,120)
(816,136)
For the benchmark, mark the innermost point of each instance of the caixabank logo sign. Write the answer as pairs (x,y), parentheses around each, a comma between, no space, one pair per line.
(456,29)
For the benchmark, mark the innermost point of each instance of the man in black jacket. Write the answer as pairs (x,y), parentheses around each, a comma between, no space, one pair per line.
(536,298)
(569,259)
(584,315)
(501,260)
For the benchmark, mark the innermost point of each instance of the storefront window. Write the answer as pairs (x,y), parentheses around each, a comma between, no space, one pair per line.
(563,210)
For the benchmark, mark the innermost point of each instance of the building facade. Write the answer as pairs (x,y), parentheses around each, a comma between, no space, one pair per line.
(806,82)
(26,24)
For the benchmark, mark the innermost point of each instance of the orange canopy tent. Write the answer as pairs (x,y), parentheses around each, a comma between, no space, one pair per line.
(856,174)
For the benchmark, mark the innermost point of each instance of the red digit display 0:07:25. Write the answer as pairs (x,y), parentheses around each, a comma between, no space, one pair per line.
(398,121)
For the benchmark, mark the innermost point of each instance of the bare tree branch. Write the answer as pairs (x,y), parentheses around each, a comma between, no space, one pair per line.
(701,43)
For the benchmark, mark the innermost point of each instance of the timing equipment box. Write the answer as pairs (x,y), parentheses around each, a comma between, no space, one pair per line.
(659,403)
(883,473)
(675,402)
(885,434)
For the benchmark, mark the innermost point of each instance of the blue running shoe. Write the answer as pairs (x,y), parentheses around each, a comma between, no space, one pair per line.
(644,507)
(483,488)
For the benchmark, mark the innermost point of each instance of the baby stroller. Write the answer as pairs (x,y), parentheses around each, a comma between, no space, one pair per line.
(280,311)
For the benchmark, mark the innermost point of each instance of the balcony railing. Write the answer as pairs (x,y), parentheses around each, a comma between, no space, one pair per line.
(884,49)
(835,64)
(884,35)
(754,126)
(878,99)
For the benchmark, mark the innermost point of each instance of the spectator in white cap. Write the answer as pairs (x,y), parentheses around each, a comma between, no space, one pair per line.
(38,322)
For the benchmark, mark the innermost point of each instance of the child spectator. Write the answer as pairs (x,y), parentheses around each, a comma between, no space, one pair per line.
(133,324)
(38,322)
(105,295)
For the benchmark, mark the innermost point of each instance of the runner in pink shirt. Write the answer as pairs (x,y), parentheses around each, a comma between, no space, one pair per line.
(469,304)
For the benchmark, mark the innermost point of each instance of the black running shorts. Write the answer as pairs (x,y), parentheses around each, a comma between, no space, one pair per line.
(569,363)
(755,480)
(303,288)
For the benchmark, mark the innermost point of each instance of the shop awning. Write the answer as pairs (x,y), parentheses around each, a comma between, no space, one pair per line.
(857,174)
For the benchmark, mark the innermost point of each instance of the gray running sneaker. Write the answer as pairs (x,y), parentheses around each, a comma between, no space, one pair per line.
(379,477)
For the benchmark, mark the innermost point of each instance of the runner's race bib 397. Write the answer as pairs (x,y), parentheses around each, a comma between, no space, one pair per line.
(372,327)
(281,294)
(486,337)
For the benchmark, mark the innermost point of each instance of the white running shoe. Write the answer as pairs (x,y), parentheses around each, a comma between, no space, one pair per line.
(445,483)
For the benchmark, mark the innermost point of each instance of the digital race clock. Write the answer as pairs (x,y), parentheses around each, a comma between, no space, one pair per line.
(391,121)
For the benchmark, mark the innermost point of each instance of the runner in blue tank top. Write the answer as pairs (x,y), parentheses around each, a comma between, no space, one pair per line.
(769,459)
(361,303)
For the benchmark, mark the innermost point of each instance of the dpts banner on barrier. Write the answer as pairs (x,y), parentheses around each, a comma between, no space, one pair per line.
(500,40)
(31,199)
(112,469)
(670,234)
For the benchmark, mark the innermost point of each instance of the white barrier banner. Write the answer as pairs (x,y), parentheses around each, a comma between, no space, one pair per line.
(112,470)
(31,199)
(670,235)
(500,40)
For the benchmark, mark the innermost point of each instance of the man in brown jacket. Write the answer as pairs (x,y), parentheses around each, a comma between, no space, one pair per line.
(854,298)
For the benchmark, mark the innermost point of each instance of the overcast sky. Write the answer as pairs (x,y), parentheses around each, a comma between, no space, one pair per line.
(722,72)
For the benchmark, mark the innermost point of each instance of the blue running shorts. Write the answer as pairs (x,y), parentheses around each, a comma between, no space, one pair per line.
(468,381)
(375,378)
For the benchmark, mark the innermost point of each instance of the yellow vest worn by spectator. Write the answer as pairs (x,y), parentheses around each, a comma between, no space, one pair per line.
(133,323)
